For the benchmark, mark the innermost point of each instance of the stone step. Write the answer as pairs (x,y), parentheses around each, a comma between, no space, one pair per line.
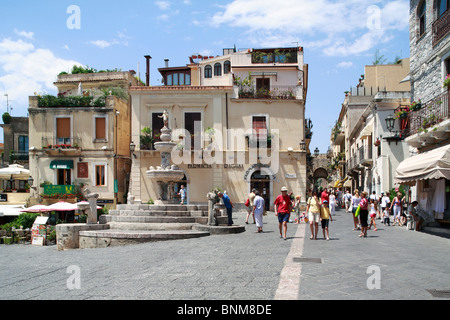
(156,213)
(150,226)
(151,218)
(168,207)
(112,237)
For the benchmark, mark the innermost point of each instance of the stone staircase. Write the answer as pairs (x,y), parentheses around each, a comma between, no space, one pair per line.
(138,223)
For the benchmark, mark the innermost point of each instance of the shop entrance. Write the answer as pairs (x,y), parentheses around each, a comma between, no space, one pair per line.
(261,183)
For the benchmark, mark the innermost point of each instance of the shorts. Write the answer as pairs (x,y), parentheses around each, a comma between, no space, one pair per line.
(373,215)
(314,217)
(325,223)
(283,217)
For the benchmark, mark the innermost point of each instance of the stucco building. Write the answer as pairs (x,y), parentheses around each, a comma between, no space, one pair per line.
(238,120)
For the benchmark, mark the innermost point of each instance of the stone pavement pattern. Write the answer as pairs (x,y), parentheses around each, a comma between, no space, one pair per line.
(238,266)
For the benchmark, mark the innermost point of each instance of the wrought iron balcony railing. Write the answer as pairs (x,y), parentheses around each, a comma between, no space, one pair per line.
(441,27)
(429,114)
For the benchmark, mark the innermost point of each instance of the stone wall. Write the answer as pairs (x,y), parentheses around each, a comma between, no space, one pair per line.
(427,64)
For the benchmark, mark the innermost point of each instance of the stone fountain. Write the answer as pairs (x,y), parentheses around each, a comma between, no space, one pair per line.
(167,174)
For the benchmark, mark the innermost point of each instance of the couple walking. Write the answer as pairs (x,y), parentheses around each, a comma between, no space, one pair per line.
(256,209)
(318,210)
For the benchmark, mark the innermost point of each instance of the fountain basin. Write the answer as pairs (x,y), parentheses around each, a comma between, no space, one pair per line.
(165,175)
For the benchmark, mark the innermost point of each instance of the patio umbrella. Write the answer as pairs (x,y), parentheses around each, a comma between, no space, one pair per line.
(36,208)
(62,206)
(14,171)
(86,202)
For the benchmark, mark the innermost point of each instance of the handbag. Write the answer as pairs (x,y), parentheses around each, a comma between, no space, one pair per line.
(358,209)
(247,203)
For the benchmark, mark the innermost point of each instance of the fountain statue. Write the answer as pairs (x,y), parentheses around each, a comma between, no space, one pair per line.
(167,174)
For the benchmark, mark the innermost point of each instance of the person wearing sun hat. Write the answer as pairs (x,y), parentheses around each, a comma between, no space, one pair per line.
(283,208)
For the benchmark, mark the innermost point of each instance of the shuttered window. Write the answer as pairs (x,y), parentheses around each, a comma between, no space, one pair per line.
(100,128)
(63,127)
(260,126)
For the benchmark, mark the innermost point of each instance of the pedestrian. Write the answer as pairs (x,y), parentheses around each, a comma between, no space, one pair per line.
(182,194)
(297,208)
(283,208)
(355,202)
(411,216)
(325,195)
(348,201)
(228,206)
(251,198)
(258,211)
(364,214)
(386,218)
(384,201)
(313,210)
(325,217)
(332,203)
(373,214)
(397,205)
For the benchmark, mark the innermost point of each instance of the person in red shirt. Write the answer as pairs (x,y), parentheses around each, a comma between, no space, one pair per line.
(325,196)
(364,214)
(283,208)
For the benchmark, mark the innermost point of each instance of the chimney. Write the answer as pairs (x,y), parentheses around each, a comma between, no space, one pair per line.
(167,62)
(147,74)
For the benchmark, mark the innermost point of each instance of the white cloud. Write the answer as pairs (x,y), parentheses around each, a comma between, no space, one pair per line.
(341,28)
(28,35)
(163,5)
(25,69)
(102,43)
(345,64)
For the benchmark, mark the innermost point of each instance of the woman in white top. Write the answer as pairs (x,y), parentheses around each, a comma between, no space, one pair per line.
(355,202)
(332,203)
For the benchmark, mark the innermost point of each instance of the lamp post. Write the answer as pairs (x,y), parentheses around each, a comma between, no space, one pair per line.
(132,148)
(390,123)
(316,152)
(303,146)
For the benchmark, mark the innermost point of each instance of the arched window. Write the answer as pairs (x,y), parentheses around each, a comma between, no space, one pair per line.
(217,69)
(443,5)
(226,67)
(208,71)
(422,17)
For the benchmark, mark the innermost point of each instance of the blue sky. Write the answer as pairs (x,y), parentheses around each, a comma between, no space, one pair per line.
(339,38)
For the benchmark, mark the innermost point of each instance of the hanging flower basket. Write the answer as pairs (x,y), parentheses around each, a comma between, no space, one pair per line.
(447,82)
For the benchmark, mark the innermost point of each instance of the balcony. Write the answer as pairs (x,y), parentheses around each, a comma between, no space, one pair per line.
(441,27)
(272,93)
(429,115)
(61,145)
(361,158)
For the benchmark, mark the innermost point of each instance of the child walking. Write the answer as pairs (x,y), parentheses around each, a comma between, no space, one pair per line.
(386,219)
(373,214)
(325,218)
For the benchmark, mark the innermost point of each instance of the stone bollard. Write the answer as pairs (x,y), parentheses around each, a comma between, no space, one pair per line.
(212,221)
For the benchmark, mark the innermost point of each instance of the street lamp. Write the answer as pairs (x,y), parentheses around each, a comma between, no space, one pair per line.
(303,145)
(316,152)
(132,148)
(30,181)
(390,123)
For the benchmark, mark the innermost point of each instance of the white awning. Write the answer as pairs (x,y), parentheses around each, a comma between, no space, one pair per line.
(367,130)
(11,210)
(433,164)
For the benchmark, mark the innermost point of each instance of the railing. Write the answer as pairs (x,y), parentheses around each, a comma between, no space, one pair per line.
(65,143)
(429,114)
(441,27)
(362,157)
(274,93)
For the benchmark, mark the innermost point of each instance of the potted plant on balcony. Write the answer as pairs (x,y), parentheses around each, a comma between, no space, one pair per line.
(416,105)
(377,142)
(446,83)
